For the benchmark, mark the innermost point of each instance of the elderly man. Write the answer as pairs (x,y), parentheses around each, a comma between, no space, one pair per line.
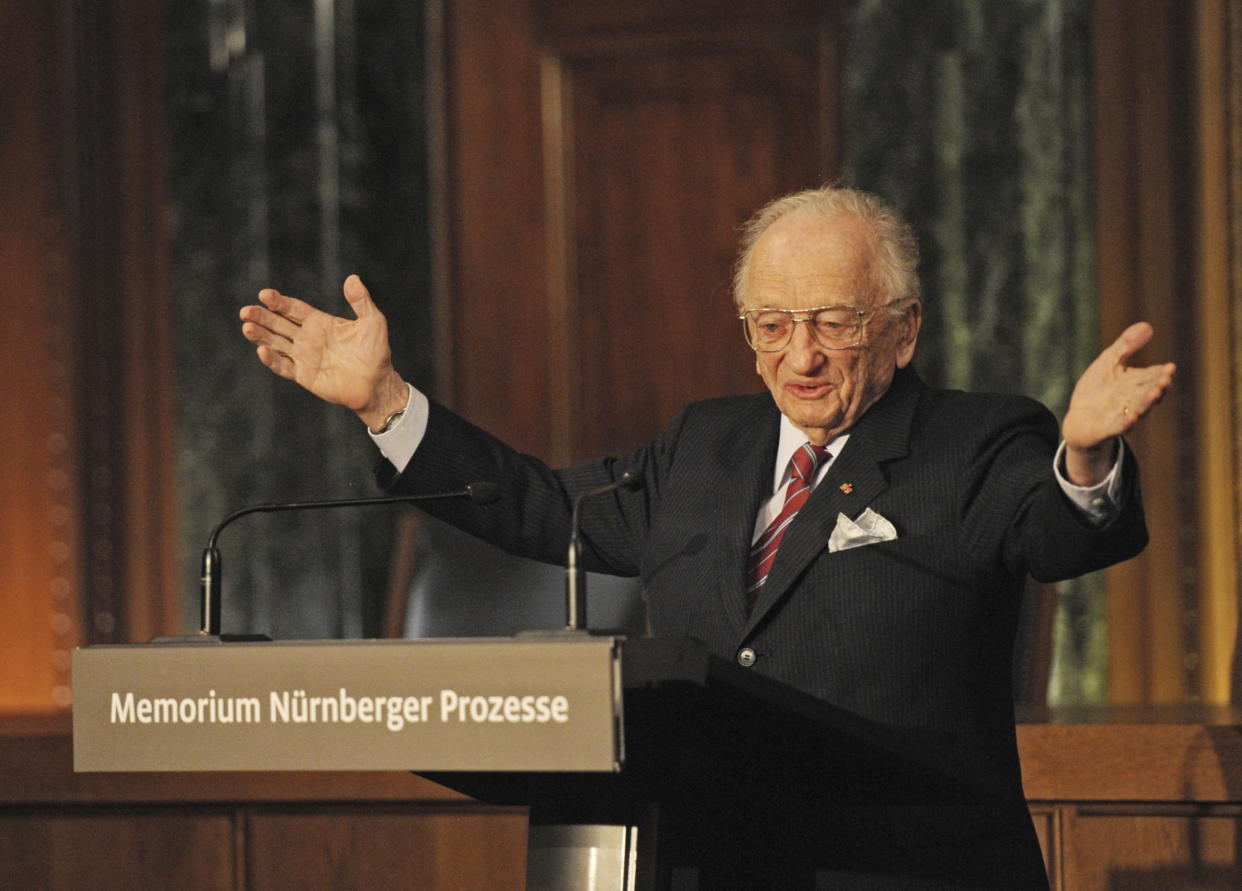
(852,532)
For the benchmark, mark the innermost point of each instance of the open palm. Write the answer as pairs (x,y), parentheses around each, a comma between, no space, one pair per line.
(344,361)
(1108,400)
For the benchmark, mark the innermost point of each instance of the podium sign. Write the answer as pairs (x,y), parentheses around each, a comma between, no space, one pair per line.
(484,704)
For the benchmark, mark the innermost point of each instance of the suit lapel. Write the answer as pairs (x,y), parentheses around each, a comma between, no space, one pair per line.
(855,479)
(745,481)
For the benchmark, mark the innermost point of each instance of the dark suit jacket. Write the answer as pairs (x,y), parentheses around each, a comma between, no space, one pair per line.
(915,635)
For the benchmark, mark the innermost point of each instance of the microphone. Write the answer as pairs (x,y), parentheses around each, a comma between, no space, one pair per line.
(481,492)
(575,578)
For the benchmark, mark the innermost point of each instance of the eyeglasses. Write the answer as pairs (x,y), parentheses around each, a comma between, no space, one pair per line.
(833,327)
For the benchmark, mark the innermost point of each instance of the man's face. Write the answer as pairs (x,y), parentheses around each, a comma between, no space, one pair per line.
(804,261)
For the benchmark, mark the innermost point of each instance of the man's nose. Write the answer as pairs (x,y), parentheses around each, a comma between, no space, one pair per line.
(804,351)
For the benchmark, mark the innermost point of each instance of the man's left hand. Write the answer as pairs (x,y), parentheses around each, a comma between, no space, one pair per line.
(1108,400)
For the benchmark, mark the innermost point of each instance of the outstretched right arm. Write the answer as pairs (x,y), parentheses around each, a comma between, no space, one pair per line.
(343,361)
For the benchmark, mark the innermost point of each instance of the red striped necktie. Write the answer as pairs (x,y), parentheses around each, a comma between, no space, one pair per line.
(802,467)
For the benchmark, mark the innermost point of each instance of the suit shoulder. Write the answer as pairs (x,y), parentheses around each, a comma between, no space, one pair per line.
(726,410)
(984,404)
(959,416)
(717,422)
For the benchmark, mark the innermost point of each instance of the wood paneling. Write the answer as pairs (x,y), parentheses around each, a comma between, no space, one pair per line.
(138,305)
(36,767)
(1134,761)
(1144,251)
(667,155)
(598,162)
(1150,799)
(1047,820)
(86,541)
(567,21)
(262,847)
(117,848)
(1153,851)
(39,553)
(112,174)
(361,830)
(1151,802)
(492,322)
(380,848)
(1168,135)
(1218,325)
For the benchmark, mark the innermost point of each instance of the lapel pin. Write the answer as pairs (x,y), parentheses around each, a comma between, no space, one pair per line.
(847,488)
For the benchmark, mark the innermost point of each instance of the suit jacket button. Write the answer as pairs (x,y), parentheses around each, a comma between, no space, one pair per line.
(746,657)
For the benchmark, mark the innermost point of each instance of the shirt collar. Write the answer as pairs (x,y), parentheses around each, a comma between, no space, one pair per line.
(791,440)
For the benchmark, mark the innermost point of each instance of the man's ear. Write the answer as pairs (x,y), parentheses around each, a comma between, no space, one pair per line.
(908,332)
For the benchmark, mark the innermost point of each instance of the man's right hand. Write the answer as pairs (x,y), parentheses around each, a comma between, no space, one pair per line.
(343,361)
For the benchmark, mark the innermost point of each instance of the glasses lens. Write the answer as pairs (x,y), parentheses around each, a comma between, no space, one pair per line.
(769,329)
(837,326)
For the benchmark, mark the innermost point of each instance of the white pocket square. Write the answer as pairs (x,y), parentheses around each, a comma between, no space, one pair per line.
(869,528)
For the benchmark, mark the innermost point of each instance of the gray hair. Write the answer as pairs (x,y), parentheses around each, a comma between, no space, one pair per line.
(896,250)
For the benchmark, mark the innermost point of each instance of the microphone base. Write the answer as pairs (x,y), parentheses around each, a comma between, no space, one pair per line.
(211,639)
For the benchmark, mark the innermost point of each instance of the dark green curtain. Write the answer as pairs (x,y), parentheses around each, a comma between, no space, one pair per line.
(973,117)
(298,157)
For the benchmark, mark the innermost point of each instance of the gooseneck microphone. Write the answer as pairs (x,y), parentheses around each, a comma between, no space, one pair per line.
(575,578)
(209,605)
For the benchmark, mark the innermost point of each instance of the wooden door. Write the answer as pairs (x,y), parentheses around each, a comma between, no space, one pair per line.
(596,160)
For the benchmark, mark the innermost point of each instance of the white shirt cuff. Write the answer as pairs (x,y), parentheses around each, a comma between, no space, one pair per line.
(399,442)
(1101,502)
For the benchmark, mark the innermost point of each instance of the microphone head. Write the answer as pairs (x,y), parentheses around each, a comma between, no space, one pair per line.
(482,492)
(631,480)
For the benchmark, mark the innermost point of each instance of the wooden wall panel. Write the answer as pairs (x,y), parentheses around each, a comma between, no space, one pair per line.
(1144,249)
(86,539)
(39,553)
(1149,756)
(1047,828)
(119,849)
(1137,799)
(364,830)
(112,158)
(1218,328)
(1167,146)
(368,846)
(1153,850)
(667,153)
(597,164)
(138,304)
(492,327)
(377,848)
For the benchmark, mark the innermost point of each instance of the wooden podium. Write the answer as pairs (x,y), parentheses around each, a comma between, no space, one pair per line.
(640,760)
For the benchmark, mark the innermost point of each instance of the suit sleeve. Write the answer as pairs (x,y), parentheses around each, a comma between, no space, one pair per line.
(532,517)
(1043,532)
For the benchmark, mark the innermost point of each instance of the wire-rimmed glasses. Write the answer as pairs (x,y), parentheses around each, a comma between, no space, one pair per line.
(835,327)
